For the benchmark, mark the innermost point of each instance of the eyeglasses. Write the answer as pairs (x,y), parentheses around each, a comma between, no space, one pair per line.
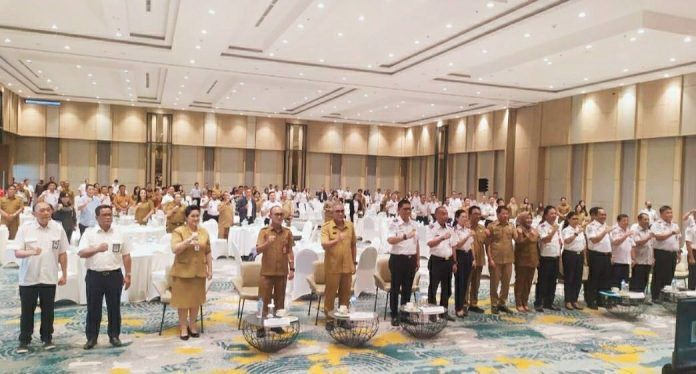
(339,211)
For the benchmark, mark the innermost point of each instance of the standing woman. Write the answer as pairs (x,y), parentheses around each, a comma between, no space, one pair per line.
(514,208)
(526,260)
(226,216)
(462,240)
(143,208)
(526,206)
(136,192)
(192,265)
(550,251)
(574,245)
(65,214)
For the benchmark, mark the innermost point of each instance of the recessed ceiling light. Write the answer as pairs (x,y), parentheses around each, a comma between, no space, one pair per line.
(204,31)
(234,91)
(391,55)
(321,60)
(78,66)
(301,73)
(449,25)
(672,59)
(192,61)
(241,83)
(253,98)
(444,88)
(300,26)
(67,47)
(416,41)
(365,95)
(127,80)
(633,39)
(89,75)
(641,31)
(94,83)
(227,97)
(198,47)
(490,4)
(344,78)
(369,66)
(118,34)
(687,39)
(20,91)
(480,79)
(549,62)
(179,93)
(361,18)
(621,84)
(28,61)
(340,34)
(583,91)
(271,54)
(211,12)
(551,86)
(8,40)
(546,59)
(285,41)
(484,51)
(185,76)
(54,26)
(585,79)
(9,84)
(589,46)
(478,92)
(582,15)
(527,35)
(320,5)
(129,88)
(666,75)
(48,81)
(182,86)
(625,70)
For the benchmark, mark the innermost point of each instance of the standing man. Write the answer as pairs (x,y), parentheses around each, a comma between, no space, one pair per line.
(50,195)
(501,255)
(621,245)
(196,194)
(652,213)
(667,253)
(422,210)
(105,252)
(403,259)
(277,265)
(599,256)
(442,262)
(122,201)
(175,213)
(87,205)
(11,206)
(267,206)
(550,251)
(478,248)
(246,206)
(322,195)
(642,254)
(339,241)
(392,205)
(42,245)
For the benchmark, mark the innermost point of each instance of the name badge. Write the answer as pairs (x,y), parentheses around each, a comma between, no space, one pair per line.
(55,244)
(116,247)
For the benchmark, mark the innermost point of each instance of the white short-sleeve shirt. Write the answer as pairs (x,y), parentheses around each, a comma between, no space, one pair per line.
(578,244)
(660,227)
(112,259)
(399,228)
(621,254)
(552,248)
(460,233)
(592,231)
(41,269)
(444,249)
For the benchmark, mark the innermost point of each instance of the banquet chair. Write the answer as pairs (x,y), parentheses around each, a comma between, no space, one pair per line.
(247,286)
(166,240)
(218,247)
(681,272)
(307,229)
(164,288)
(364,274)
(71,289)
(304,266)
(317,283)
(234,252)
(369,231)
(383,282)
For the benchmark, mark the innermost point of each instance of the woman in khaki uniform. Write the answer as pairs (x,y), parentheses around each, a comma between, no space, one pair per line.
(175,213)
(11,207)
(526,260)
(514,208)
(192,265)
(226,217)
(144,208)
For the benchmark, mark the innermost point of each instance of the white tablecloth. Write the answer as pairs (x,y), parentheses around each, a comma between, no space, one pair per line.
(141,234)
(244,237)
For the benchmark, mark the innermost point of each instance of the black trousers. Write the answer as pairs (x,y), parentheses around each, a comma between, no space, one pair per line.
(692,277)
(545,291)
(403,270)
(351,209)
(619,273)
(598,279)
(207,216)
(465,261)
(572,275)
(196,201)
(440,275)
(422,219)
(82,229)
(639,278)
(663,272)
(99,285)
(28,295)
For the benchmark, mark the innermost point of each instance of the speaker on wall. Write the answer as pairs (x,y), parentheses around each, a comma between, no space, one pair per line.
(483,185)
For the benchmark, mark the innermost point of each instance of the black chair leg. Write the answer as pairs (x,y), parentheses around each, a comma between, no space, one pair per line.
(202,329)
(376,294)
(164,309)
(386,302)
(309,310)
(316,321)
(239,306)
(241,312)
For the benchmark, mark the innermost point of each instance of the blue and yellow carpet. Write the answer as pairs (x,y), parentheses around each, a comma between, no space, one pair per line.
(554,342)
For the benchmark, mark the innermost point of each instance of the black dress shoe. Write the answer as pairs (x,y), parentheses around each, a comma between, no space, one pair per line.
(494,310)
(505,309)
(90,344)
(475,309)
(115,341)
(449,317)
(539,309)
(592,306)
(329,326)
(193,334)
(553,307)
(395,322)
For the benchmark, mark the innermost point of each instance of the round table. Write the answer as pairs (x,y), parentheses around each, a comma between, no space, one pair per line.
(669,297)
(270,334)
(352,329)
(424,321)
(629,305)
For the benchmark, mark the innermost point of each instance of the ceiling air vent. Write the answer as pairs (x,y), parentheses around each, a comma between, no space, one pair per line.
(148,5)
(147,80)
(211,88)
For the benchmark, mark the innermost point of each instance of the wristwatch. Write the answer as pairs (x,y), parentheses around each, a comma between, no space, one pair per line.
(404,237)
(292,269)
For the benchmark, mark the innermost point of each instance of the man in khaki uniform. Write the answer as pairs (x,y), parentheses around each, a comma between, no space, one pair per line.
(479,249)
(339,241)
(175,213)
(277,264)
(122,201)
(226,217)
(11,207)
(501,255)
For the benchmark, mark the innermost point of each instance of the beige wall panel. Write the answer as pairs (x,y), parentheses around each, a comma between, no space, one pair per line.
(318,170)
(128,163)
(426,141)
(457,136)
(232,131)
(602,181)
(355,139)
(187,165)
(485,168)
(499,178)
(390,141)
(557,173)
(325,137)
(28,158)
(500,120)
(460,170)
(555,121)
(269,168)
(626,113)
(129,124)
(78,160)
(78,120)
(483,132)
(32,120)
(270,134)
(353,171)
(187,128)
(688,119)
(410,141)
(656,172)
(10,110)
(594,117)
(527,139)
(389,173)
(230,165)
(659,108)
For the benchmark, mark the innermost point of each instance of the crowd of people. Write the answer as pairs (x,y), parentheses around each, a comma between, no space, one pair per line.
(464,235)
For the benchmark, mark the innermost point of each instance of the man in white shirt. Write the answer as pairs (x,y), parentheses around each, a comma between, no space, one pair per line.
(421,208)
(621,245)
(212,207)
(51,195)
(404,258)
(83,188)
(169,196)
(599,256)
(550,244)
(196,194)
(392,206)
(641,254)
(105,251)
(442,262)
(267,206)
(246,207)
(667,252)
(652,213)
(42,245)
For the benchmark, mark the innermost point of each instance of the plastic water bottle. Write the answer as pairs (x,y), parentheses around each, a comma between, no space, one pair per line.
(259,308)
(353,301)
(417,298)
(271,309)
(623,286)
(674,284)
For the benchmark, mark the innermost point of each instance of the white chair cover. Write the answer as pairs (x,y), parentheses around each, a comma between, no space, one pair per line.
(369,229)
(6,254)
(72,289)
(258,257)
(307,231)
(304,266)
(234,252)
(364,274)
(218,247)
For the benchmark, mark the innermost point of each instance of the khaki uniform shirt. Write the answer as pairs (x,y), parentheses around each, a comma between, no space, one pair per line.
(190,263)
(122,202)
(141,211)
(276,256)
(11,206)
(226,217)
(478,245)
(501,242)
(175,220)
(339,259)
(527,250)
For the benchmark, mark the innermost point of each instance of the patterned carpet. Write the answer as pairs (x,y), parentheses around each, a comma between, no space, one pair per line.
(569,342)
